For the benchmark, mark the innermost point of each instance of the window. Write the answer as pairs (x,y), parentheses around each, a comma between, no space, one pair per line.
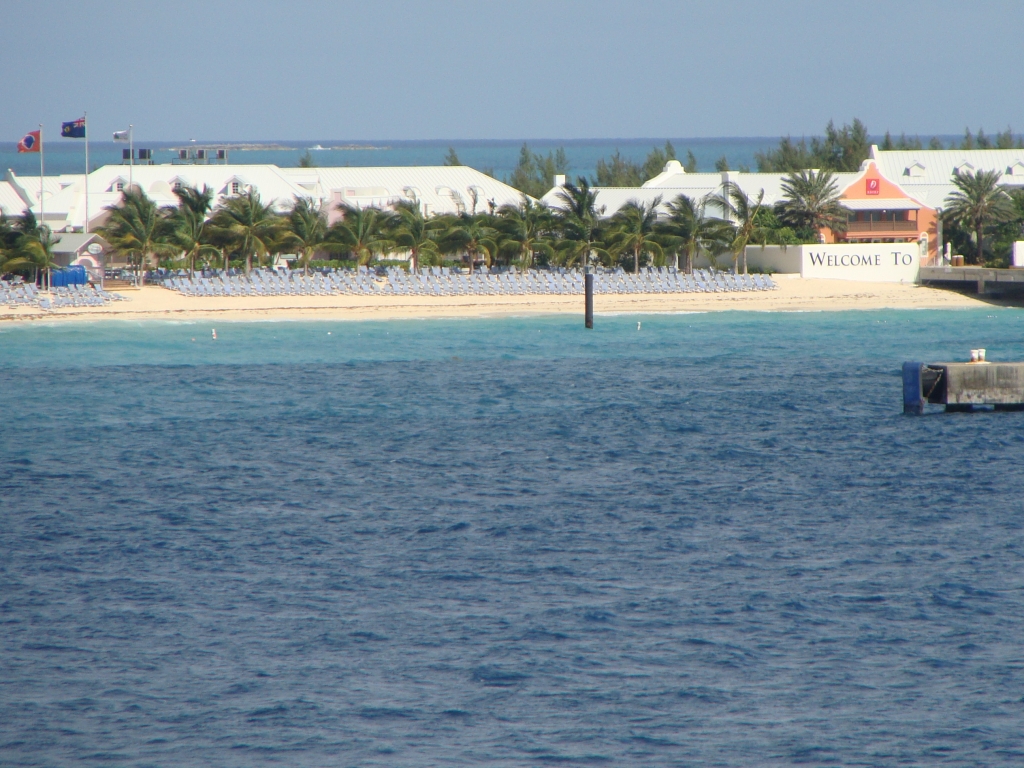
(120,186)
(177,186)
(235,187)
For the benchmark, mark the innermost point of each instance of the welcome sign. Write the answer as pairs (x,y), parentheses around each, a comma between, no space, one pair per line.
(880,262)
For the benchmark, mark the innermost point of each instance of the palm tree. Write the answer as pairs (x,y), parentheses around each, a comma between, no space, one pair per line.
(524,229)
(744,213)
(363,232)
(694,231)
(471,235)
(188,223)
(307,230)
(811,201)
(136,227)
(580,222)
(26,246)
(977,201)
(248,225)
(414,232)
(633,230)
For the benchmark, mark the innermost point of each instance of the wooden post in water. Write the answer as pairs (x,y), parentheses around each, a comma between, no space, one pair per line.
(588,313)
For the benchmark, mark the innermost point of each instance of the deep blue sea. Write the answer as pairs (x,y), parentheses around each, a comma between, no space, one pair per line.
(712,541)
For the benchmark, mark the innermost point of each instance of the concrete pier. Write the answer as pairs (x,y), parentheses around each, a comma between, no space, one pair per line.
(962,386)
(987,282)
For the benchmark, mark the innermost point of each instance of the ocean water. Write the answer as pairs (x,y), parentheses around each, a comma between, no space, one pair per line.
(498,157)
(712,541)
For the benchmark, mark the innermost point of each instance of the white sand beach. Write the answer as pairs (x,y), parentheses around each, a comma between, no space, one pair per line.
(795,294)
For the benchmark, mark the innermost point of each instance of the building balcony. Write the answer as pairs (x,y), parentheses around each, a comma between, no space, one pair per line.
(871,227)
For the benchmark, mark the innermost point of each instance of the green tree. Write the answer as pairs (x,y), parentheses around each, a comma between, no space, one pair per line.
(1008,231)
(722,164)
(248,226)
(579,220)
(777,233)
(451,159)
(470,235)
(633,231)
(525,231)
(534,174)
(363,232)
(745,215)
(1006,140)
(978,202)
(138,229)
(840,149)
(412,231)
(902,143)
(618,171)
(690,228)
(811,201)
(306,230)
(307,161)
(657,159)
(26,246)
(789,156)
(187,223)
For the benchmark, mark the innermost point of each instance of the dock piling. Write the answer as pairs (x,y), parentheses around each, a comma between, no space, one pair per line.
(588,313)
(913,401)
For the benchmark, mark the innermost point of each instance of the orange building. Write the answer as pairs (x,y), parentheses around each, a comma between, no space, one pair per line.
(882,212)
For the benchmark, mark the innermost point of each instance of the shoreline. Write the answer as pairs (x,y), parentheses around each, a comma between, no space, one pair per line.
(795,294)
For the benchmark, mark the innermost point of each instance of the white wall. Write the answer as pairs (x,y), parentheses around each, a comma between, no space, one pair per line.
(877,262)
(775,258)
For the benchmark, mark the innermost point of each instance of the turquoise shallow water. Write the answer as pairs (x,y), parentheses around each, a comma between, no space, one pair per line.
(712,541)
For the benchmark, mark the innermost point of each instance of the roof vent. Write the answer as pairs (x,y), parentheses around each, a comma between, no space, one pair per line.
(915,170)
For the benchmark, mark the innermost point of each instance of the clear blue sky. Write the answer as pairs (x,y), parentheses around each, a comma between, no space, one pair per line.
(233,70)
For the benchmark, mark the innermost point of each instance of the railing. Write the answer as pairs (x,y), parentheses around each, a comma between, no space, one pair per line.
(881,226)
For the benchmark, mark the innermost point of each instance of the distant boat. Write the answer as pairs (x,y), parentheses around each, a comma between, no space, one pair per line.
(317,147)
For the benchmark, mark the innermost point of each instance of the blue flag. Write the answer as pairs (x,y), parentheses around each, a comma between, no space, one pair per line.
(73,130)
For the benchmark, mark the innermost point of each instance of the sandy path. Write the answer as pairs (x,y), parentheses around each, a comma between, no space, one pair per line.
(794,294)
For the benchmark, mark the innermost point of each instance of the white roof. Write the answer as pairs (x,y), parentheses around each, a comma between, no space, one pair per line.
(444,189)
(927,174)
(441,189)
(11,203)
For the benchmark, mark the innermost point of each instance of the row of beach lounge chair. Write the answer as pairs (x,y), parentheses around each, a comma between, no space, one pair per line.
(442,282)
(28,295)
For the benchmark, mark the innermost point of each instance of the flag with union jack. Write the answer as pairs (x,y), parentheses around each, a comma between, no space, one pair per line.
(74,129)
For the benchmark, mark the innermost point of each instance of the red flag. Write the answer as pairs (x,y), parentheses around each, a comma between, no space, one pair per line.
(31,142)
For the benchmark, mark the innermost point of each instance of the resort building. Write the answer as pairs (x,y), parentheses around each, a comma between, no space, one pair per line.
(881,211)
(438,190)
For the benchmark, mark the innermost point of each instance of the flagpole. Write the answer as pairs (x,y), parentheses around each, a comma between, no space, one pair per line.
(85,119)
(41,170)
(42,205)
